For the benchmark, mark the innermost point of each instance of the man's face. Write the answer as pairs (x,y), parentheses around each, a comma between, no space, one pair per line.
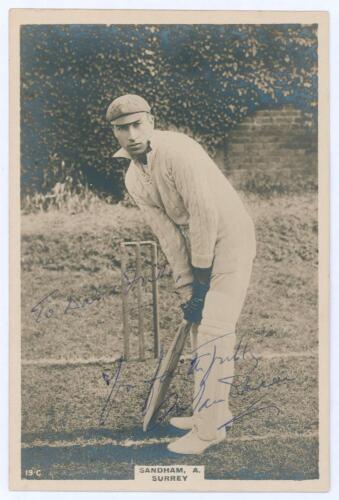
(134,136)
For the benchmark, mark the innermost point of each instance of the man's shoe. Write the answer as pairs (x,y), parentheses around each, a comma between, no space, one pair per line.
(186,423)
(191,444)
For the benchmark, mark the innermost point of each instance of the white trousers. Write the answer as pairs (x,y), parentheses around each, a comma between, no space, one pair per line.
(213,342)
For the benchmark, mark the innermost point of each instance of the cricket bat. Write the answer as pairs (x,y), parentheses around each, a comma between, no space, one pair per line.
(164,374)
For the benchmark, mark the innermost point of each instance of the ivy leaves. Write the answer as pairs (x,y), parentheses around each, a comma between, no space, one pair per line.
(199,78)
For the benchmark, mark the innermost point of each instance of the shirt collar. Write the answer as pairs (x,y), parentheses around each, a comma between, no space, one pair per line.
(122,153)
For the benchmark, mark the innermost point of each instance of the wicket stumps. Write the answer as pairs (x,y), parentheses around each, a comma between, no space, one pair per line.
(138,281)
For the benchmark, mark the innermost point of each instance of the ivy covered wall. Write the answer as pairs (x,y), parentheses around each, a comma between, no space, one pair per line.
(203,79)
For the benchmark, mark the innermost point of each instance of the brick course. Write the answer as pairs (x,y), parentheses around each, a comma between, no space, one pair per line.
(268,142)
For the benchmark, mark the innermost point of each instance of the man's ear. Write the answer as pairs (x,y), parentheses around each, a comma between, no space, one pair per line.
(151,119)
(113,129)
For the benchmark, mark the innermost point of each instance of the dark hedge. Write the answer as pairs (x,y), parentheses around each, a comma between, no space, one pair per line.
(199,78)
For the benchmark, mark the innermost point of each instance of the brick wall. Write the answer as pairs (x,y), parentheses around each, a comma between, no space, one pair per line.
(280,144)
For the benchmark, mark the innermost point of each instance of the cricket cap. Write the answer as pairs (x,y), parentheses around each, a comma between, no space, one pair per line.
(122,109)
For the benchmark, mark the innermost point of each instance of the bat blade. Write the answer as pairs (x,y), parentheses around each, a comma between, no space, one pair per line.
(165,373)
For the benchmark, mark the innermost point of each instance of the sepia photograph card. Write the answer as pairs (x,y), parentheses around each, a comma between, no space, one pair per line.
(169,250)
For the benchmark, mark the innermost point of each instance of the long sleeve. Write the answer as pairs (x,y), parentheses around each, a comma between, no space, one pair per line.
(171,239)
(189,170)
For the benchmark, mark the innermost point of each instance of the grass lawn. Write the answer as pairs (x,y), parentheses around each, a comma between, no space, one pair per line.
(71,311)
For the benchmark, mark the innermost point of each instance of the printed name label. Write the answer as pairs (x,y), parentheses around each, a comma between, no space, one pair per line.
(165,474)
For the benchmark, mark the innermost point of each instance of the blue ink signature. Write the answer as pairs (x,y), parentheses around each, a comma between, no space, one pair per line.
(45,308)
(251,410)
(115,388)
(240,386)
(130,283)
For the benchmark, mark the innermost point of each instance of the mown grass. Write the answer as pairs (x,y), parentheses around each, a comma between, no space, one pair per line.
(78,255)
(75,258)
